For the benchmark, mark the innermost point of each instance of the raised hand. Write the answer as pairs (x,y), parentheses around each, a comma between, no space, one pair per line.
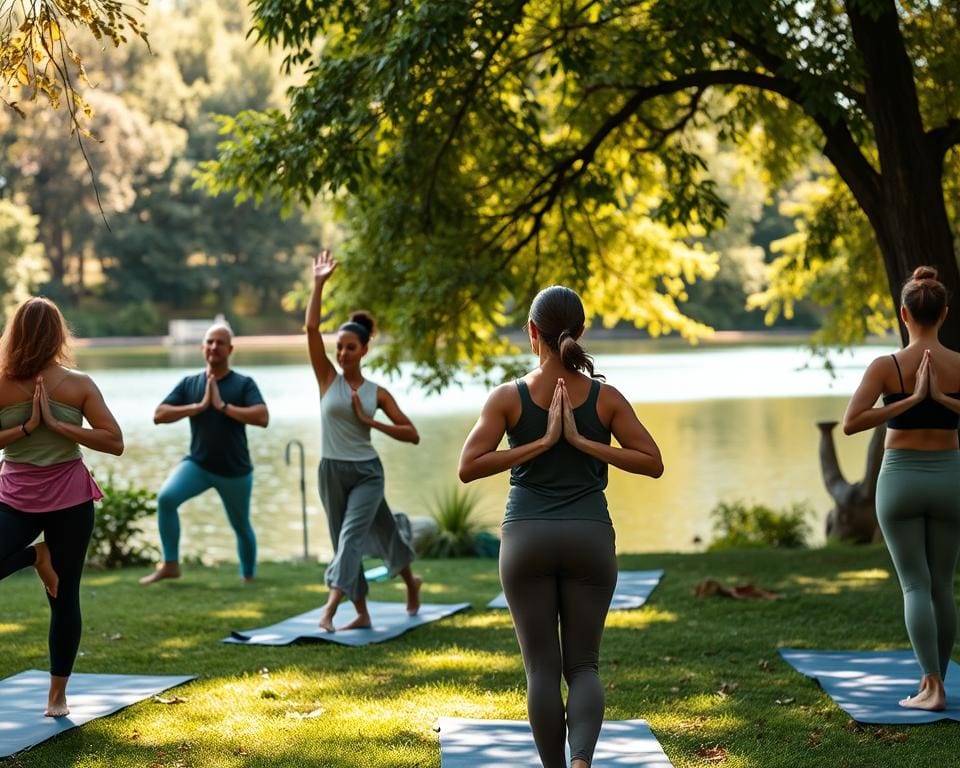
(555,416)
(570,432)
(323,266)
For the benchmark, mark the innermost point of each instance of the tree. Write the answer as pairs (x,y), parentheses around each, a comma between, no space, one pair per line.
(39,57)
(506,135)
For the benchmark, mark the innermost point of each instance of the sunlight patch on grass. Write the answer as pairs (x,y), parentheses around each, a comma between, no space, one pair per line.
(459,660)
(10,629)
(100,579)
(639,618)
(238,613)
(862,577)
(486,620)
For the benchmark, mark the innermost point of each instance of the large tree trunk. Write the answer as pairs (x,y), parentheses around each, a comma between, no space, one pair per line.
(904,202)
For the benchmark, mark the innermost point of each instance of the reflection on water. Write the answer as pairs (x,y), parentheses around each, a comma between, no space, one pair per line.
(735,423)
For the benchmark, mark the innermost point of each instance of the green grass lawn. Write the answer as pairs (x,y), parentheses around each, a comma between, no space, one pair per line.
(703,671)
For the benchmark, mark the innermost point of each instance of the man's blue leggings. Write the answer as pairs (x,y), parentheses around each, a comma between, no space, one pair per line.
(187,480)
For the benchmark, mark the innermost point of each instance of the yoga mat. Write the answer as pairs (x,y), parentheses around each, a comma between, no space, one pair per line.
(633,589)
(868,684)
(389,621)
(23,698)
(472,743)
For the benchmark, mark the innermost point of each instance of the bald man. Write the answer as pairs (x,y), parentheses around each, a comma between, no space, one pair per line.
(219,403)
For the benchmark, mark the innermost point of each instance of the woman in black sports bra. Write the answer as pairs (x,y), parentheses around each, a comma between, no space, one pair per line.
(918,490)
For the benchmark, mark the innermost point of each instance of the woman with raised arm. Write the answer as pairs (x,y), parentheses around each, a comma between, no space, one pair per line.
(918,490)
(44,485)
(558,563)
(351,475)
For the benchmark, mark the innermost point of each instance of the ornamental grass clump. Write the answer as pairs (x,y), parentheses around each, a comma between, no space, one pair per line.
(455,513)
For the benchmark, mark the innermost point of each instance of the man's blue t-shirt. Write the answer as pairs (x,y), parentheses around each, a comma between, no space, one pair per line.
(217,442)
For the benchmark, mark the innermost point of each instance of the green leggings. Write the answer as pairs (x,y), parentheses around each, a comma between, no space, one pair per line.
(918,508)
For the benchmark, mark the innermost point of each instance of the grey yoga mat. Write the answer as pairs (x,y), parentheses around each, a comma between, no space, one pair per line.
(868,684)
(633,589)
(24,696)
(470,743)
(389,621)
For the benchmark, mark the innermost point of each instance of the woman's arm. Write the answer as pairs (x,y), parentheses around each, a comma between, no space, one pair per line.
(861,414)
(638,452)
(20,431)
(480,457)
(323,267)
(103,434)
(401,429)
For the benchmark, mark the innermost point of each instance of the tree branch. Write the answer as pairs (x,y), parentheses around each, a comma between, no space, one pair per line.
(945,136)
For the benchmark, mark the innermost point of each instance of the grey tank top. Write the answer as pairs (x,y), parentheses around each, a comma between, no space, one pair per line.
(561,483)
(342,435)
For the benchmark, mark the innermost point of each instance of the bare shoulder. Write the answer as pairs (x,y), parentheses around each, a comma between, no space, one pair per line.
(503,396)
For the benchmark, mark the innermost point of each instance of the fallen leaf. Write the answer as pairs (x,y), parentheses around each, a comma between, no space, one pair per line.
(727,688)
(693,725)
(784,702)
(115,637)
(715,754)
(763,665)
(170,700)
(815,739)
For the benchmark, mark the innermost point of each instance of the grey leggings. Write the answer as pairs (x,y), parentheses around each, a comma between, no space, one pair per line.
(560,572)
(918,508)
(360,523)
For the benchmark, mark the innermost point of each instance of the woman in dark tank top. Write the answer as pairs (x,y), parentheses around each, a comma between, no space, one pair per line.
(557,559)
(918,490)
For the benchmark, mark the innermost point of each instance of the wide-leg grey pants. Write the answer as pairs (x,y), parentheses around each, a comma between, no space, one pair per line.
(360,523)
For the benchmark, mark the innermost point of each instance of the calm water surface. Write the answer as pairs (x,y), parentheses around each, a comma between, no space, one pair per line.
(732,422)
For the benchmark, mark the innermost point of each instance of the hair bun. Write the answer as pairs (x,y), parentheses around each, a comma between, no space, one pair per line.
(925,273)
(365,319)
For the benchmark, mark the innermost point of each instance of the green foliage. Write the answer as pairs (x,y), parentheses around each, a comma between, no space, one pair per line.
(737,525)
(117,539)
(22,266)
(480,150)
(97,319)
(455,513)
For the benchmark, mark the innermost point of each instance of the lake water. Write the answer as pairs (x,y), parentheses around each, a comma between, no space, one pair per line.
(733,422)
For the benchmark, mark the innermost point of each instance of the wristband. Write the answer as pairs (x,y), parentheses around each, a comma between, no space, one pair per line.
(23,428)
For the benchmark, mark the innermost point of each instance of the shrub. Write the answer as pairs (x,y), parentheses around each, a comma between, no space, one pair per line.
(117,539)
(454,512)
(737,525)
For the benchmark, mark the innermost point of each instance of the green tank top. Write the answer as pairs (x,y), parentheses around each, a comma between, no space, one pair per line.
(43,447)
(561,483)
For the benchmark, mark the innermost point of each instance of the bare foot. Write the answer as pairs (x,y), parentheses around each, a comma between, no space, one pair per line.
(247,579)
(930,699)
(326,623)
(578,763)
(57,698)
(361,622)
(413,596)
(45,570)
(165,571)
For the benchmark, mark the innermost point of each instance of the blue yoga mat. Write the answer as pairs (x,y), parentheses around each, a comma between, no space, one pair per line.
(472,743)
(633,589)
(868,684)
(389,620)
(23,698)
